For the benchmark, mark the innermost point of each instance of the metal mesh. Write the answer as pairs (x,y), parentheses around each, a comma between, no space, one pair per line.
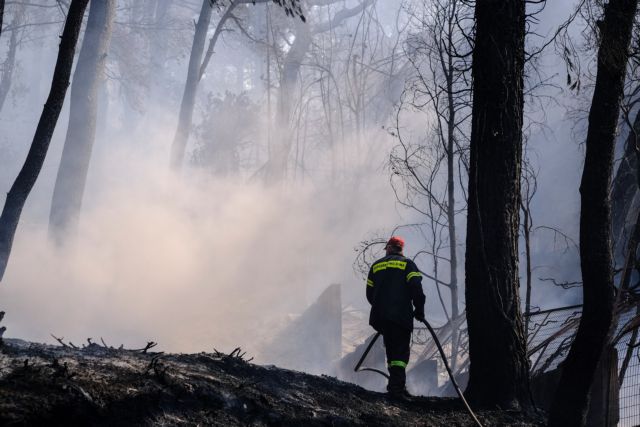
(550,336)
(629,375)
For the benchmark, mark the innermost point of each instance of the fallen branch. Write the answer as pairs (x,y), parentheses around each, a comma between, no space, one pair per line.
(563,285)
(91,344)
(60,340)
(144,350)
(237,353)
(153,364)
(159,369)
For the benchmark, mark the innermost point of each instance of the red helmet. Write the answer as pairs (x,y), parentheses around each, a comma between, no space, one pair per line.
(396,241)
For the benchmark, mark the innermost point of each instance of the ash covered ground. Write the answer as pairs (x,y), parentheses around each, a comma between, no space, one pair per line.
(100,385)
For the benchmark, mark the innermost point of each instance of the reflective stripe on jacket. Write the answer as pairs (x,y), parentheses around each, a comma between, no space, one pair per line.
(393,284)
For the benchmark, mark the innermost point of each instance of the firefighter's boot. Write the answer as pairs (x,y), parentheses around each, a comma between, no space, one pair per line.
(397,380)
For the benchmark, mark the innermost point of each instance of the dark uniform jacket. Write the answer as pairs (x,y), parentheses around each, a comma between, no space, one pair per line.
(394,282)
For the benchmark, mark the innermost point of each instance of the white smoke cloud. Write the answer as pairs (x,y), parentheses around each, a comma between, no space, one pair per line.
(190,261)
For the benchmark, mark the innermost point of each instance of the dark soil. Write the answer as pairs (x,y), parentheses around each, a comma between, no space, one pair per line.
(56,385)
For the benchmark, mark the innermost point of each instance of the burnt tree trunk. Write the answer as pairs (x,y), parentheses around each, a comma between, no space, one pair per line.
(23,184)
(185,117)
(571,399)
(158,50)
(276,168)
(449,71)
(197,68)
(76,154)
(499,368)
(10,62)
(1,14)
(216,34)
(526,215)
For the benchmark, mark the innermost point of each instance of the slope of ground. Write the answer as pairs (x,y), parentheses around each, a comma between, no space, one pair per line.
(99,385)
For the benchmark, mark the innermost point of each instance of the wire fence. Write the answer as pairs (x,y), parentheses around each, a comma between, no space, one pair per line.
(629,373)
(550,336)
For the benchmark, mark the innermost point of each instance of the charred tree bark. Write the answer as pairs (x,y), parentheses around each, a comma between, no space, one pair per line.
(571,399)
(499,369)
(185,117)
(76,154)
(23,184)
(1,15)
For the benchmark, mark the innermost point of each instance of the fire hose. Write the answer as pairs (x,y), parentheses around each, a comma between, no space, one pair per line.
(444,360)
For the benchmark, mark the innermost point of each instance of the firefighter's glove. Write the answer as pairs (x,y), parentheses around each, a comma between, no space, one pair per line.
(419,315)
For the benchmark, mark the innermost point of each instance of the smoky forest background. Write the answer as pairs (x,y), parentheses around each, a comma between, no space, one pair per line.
(200,172)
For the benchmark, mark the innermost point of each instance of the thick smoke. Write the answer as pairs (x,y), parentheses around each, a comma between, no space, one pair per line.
(196,261)
(190,261)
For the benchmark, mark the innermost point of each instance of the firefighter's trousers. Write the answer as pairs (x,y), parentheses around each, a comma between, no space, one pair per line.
(397,342)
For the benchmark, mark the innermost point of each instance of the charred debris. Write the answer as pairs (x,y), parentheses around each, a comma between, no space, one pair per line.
(98,384)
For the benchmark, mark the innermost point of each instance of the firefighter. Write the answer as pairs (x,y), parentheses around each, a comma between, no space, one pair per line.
(393,284)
